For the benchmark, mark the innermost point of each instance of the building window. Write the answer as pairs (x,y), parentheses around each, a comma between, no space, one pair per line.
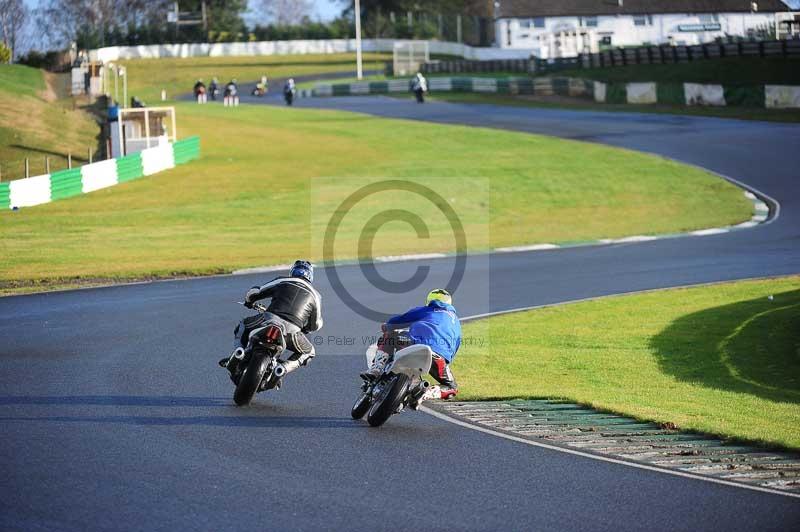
(525,23)
(708,18)
(538,22)
(589,22)
(642,20)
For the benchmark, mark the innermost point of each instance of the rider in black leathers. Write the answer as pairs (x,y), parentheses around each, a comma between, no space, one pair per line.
(295,303)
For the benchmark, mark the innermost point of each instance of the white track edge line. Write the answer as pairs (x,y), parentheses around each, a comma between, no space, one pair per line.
(575,452)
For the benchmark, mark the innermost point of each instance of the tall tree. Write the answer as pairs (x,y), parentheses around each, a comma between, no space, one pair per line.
(287,12)
(64,19)
(13,15)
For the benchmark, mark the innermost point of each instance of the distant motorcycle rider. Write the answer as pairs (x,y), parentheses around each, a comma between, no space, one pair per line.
(231,89)
(213,88)
(419,86)
(435,325)
(289,90)
(295,303)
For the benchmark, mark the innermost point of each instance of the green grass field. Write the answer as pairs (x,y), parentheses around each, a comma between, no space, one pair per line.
(723,359)
(256,171)
(33,125)
(146,77)
(261,167)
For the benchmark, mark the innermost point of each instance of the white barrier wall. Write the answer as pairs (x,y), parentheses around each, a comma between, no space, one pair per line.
(30,191)
(157,159)
(697,94)
(640,93)
(781,96)
(298,47)
(599,91)
(99,175)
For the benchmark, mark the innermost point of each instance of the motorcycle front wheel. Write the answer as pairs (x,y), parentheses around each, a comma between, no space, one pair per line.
(251,379)
(361,406)
(385,406)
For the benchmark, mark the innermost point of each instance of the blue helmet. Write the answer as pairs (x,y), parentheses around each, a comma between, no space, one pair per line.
(303,269)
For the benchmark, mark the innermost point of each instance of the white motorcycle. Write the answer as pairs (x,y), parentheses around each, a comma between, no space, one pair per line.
(400,384)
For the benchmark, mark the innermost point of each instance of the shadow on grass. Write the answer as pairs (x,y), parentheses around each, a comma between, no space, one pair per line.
(75,158)
(747,347)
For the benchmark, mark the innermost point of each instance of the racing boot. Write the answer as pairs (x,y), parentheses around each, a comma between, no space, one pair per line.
(374,372)
(432,392)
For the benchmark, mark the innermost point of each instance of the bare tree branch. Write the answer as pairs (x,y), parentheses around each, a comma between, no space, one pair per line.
(13,15)
(287,12)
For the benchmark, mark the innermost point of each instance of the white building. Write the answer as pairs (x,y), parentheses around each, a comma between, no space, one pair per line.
(565,28)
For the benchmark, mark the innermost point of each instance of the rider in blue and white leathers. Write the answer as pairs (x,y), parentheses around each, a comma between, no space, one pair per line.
(435,325)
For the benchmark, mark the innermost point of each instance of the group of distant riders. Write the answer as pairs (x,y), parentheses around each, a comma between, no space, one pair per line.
(231,90)
(418,85)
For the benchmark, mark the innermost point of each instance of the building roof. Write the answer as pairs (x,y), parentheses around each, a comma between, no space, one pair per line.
(561,8)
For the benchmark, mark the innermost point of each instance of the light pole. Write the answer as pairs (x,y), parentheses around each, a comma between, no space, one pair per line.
(124,75)
(359,71)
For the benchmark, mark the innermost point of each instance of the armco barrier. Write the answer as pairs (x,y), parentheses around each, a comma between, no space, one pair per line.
(772,96)
(88,178)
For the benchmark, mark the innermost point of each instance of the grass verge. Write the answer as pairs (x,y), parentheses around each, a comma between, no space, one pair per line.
(257,172)
(146,77)
(722,359)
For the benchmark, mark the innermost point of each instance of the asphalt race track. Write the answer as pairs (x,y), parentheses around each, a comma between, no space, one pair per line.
(115,416)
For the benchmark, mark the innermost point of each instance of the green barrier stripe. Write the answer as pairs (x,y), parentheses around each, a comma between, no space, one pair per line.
(5,199)
(752,96)
(616,93)
(670,93)
(65,183)
(186,150)
(378,87)
(462,84)
(129,167)
(561,86)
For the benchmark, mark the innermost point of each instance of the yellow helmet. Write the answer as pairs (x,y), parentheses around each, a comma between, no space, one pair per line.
(439,294)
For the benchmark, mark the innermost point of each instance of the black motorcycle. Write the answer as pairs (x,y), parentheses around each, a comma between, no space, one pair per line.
(258,366)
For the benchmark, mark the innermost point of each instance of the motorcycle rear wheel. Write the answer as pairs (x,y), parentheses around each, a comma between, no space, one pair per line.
(361,406)
(251,379)
(386,406)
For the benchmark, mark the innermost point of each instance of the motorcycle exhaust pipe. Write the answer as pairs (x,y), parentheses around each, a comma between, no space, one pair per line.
(279,371)
(420,391)
(238,353)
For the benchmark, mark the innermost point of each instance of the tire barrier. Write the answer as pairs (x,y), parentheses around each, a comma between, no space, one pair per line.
(96,176)
(769,96)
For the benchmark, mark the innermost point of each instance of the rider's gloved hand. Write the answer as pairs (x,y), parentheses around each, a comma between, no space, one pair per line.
(250,296)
